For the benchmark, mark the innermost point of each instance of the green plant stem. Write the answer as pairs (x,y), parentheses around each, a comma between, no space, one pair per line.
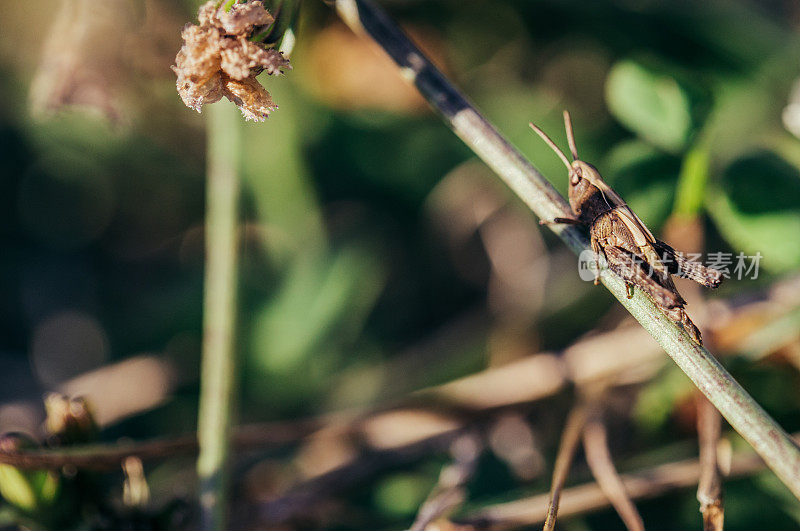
(217,378)
(771,442)
(692,181)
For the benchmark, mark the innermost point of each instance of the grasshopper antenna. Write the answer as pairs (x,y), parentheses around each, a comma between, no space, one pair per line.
(570,136)
(552,145)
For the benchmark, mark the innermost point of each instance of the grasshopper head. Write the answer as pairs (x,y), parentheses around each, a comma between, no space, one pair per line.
(584,179)
(583,185)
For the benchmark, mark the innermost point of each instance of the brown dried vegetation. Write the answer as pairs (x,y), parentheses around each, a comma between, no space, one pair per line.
(217,59)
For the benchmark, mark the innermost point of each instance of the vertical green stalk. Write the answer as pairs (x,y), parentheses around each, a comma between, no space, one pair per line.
(692,183)
(218,372)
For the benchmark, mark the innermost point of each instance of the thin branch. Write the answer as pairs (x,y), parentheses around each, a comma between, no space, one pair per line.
(449,491)
(570,438)
(109,456)
(598,456)
(709,488)
(581,499)
(98,456)
(781,454)
(217,379)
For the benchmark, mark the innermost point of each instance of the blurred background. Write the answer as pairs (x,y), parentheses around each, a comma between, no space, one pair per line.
(384,267)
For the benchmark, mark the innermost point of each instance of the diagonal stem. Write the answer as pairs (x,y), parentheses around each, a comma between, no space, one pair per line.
(771,442)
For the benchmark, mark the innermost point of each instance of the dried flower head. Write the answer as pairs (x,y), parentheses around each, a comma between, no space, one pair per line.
(218,59)
(252,99)
(242,18)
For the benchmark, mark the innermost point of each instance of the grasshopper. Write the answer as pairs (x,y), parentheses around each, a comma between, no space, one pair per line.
(630,249)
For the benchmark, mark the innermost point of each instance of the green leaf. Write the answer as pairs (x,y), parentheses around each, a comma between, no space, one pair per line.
(28,491)
(47,486)
(402,493)
(16,488)
(657,401)
(650,103)
(756,208)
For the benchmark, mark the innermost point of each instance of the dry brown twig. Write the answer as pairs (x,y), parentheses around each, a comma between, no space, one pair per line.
(598,456)
(570,438)
(110,456)
(450,491)
(709,488)
(581,499)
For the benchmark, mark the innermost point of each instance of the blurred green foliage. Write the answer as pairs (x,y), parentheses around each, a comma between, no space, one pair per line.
(351,293)
(752,216)
(650,103)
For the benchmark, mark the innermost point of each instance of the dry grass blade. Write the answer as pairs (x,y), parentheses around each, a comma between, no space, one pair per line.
(566,451)
(539,377)
(595,444)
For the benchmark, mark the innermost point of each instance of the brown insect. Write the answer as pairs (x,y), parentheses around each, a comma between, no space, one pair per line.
(631,250)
